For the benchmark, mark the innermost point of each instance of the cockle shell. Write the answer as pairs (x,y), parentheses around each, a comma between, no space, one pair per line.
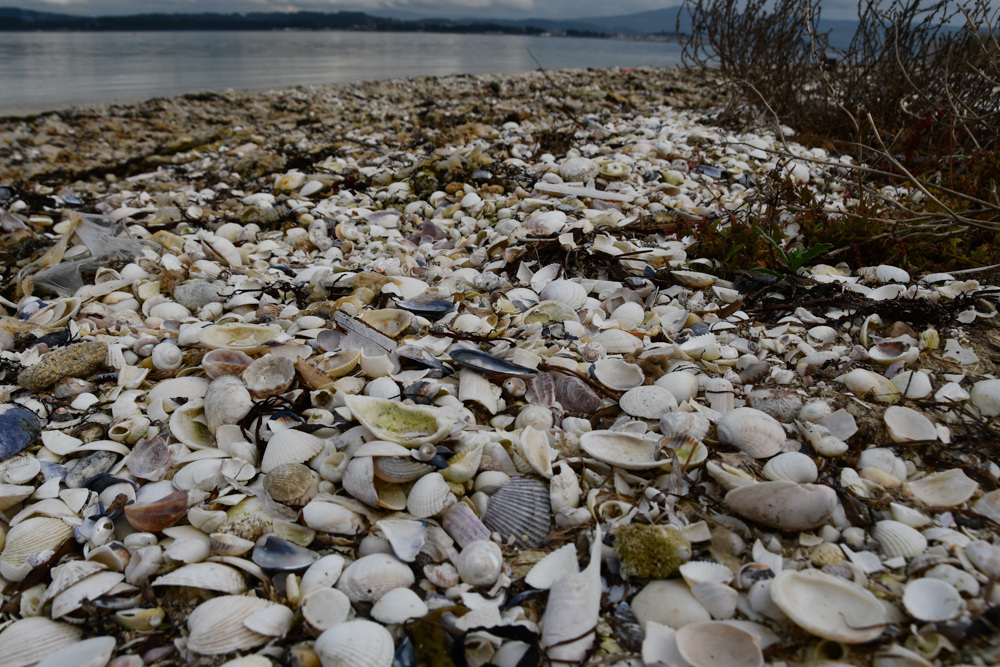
(93,652)
(429,496)
(791,467)
(356,644)
(898,539)
(784,505)
(617,374)
(567,292)
(616,341)
(682,384)
(209,576)
(647,402)
(521,512)
(289,446)
(29,640)
(829,606)
(370,577)
(718,599)
(324,608)
(34,535)
(219,625)
(410,425)
(752,432)
(398,606)
(697,572)
(291,484)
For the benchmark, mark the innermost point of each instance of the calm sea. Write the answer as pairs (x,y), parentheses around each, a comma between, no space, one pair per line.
(55,70)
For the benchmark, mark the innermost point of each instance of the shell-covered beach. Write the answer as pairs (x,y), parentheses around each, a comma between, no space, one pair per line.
(432,372)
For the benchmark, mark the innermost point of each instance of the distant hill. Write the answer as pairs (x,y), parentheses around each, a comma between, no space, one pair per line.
(657,21)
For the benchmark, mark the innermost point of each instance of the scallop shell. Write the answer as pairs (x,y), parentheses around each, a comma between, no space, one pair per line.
(648,402)
(521,512)
(27,538)
(617,374)
(289,446)
(398,606)
(218,625)
(791,467)
(220,362)
(208,576)
(949,488)
(29,640)
(370,577)
(291,484)
(898,539)
(623,450)
(932,600)
(410,425)
(429,496)
(568,292)
(711,643)
(248,338)
(784,505)
(829,606)
(270,375)
(752,432)
(356,644)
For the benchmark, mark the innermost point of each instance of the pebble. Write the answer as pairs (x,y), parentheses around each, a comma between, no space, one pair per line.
(78,360)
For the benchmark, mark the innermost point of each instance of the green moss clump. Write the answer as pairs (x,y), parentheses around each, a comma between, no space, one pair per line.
(651,552)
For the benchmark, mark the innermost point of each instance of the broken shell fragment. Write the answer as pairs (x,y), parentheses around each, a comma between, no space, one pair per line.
(409,425)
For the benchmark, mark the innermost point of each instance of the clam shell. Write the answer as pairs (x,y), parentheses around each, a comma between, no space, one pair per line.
(93,652)
(389,322)
(370,577)
(719,599)
(220,362)
(429,496)
(616,341)
(682,384)
(270,375)
(574,395)
(752,432)
(648,402)
(189,425)
(406,537)
(568,292)
(949,488)
(474,387)
(784,505)
(617,374)
(160,398)
(217,626)
(521,512)
(400,470)
(829,606)
(870,386)
(720,394)
(985,395)
(29,640)
(898,539)
(908,425)
(713,643)
(356,644)
(912,384)
(623,450)
(289,446)
(398,606)
(208,576)
(324,608)
(489,364)
(932,600)
(410,425)
(791,467)
(323,573)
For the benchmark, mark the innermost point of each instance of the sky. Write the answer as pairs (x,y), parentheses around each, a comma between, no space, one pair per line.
(406,9)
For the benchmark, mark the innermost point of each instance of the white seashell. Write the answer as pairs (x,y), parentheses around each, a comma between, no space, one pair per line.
(474,387)
(534,415)
(227,401)
(567,292)
(370,577)
(682,384)
(564,488)
(985,557)
(712,643)
(273,621)
(687,423)
(752,432)
(784,505)
(629,315)
(93,652)
(383,387)
(29,537)
(406,537)
(908,425)
(573,607)
(870,386)
(694,279)
(885,273)
(160,398)
(480,563)
(822,334)
(697,572)
(323,573)
(822,440)
(718,598)
(167,356)
(985,395)
(442,575)
(289,446)
(398,606)
(188,424)
(216,626)
(533,447)
(429,496)
(617,374)
(949,488)
(932,600)
(898,539)
(647,402)
(668,602)
(912,384)
(355,644)
(552,567)
(29,640)
(623,450)
(209,576)
(791,467)
(720,395)
(409,425)
(828,606)
(324,608)
(616,341)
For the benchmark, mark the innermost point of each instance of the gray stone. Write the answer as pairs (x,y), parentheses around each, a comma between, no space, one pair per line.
(195,296)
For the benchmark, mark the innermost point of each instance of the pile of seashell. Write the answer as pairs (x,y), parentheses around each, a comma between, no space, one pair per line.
(342,418)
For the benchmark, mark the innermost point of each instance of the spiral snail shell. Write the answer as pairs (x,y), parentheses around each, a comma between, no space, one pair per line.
(144,345)
(167,356)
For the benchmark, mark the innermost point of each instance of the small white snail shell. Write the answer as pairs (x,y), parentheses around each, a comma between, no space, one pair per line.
(144,346)
(167,357)
(480,563)
(425,452)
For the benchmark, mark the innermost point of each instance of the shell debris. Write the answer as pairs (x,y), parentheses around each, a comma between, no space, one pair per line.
(369,389)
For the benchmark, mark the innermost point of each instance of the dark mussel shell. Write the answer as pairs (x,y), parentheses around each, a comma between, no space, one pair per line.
(420,356)
(432,310)
(18,429)
(488,364)
(274,553)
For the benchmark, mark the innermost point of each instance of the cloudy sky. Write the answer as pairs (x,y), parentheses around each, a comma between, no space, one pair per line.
(512,9)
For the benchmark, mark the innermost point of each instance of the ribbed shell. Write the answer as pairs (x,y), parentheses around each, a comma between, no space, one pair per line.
(430,494)
(29,537)
(399,470)
(210,576)
(356,644)
(292,484)
(520,509)
(27,641)
(648,402)
(370,577)
(574,395)
(216,626)
(791,467)
(898,539)
(289,446)
(462,524)
(397,606)
(752,432)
